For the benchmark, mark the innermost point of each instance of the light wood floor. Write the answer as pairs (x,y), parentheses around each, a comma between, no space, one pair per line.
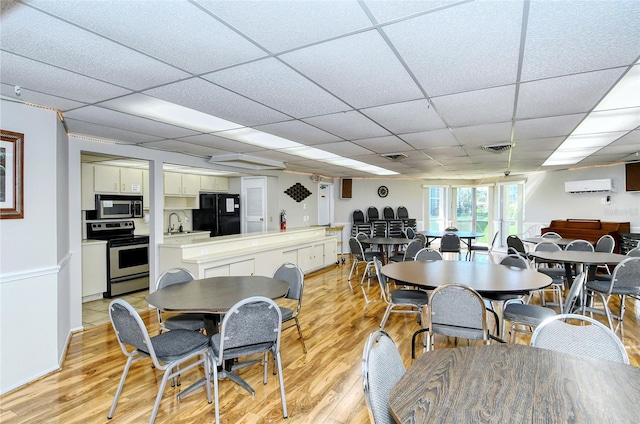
(322,386)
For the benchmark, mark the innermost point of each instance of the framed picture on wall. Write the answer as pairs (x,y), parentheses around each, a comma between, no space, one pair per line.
(11,175)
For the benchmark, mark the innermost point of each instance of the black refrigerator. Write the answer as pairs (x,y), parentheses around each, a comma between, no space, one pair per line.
(218,213)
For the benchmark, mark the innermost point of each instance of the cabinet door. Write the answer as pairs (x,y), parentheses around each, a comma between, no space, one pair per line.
(106,179)
(218,271)
(130,181)
(221,183)
(247,267)
(94,269)
(207,183)
(190,184)
(330,253)
(290,256)
(88,198)
(318,256)
(172,184)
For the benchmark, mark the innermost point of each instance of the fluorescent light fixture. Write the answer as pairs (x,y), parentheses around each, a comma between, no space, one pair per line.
(310,153)
(170,113)
(258,138)
(240,160)
(616,115)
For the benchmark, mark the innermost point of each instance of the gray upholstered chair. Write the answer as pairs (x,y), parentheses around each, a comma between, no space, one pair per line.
(252,326)
(475,248)
(556,272)
(634,253)
(167,350)
(551,235)
(359,255)
(625,281)
(409,233)
(519,313)
(605,244)
(422,239)
(426,254)
(580,245)
(194,322)
(594,340)
(409,252)
(455,310)
(292,274)
(450,243)
(382,368)
(399,298)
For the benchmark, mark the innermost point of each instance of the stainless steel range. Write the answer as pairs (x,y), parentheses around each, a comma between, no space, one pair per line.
(127,256)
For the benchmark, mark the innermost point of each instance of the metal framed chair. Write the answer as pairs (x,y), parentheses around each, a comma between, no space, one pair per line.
(515,245)
(625,281)
(426,254)
(409,233)
(409,252)
(250,327)
(359,255)
(167,351)
(372,213)
(422,238)
(292,274)
(194,322)
(454,310)
(580,245)
(450,243)
(557,273)
(634,253)
(399,298)
(388,213)
(382,368)
(606,244)
(474,248)
(594,340)
(551,235)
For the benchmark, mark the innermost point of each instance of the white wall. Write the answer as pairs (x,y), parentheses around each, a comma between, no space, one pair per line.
(33,261)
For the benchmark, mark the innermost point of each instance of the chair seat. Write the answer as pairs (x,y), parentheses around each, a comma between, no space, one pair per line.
(556,274)
(503,296)
(415,297)
(193,322)
(603,287)
(527,314)
(287,313)
(368,256)
(176,344)
(461,332)
(232,353)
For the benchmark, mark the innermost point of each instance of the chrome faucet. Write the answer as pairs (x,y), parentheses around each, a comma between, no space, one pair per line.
(169,230)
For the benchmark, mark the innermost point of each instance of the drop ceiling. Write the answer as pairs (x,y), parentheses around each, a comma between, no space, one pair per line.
(433,80)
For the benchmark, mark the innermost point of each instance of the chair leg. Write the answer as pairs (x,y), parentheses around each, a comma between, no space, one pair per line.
(285,414)
(120,386)
(365,274)
(355,263)
(156,405)
(385,316)
(214,369)
(304,347)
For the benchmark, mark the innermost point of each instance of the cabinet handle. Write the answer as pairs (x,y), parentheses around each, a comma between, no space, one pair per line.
(115,186)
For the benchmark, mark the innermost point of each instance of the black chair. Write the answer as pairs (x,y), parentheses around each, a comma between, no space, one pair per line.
(387,212)
(515,245)
(372,214)
(402,213)
(450,243)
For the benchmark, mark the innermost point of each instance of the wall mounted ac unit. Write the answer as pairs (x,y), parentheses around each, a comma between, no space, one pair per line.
(589,186)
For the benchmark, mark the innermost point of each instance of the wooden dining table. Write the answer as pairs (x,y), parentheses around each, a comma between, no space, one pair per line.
(510,383)
(213,297)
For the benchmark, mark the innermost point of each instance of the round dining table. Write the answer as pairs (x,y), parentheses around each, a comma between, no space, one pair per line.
(463,235)
(510,383)
(562,242)
(385,243)
(482,277)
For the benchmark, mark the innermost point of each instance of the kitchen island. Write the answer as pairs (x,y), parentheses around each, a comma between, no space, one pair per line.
(257,253)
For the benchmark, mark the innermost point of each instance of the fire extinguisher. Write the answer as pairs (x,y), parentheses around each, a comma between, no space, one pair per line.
(283,220)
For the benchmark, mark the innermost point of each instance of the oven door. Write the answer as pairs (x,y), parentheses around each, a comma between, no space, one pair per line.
(128,261)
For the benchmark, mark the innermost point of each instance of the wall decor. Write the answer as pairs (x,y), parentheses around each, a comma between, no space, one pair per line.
(11,175)
(383,191)
(298,192)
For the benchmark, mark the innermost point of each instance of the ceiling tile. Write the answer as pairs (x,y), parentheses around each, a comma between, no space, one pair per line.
(392,10)
(102,131)
(426,139)
(632,137)
(49,80)
(406,117)
(565,95)
(389,144)
(37,98)
(477,107)
(276,85)
(298,131)
(343,148)
(206,97)
(547,144)
(203,44)
(567,37)
(180,147)
(348,125)
(360,70)
(546,127)
(483,134)
(449,50)
(230,146)
(114,63)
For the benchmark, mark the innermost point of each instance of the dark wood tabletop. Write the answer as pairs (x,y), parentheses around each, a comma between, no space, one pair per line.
(580,257)
(482,277)
(215,295)
(509,383)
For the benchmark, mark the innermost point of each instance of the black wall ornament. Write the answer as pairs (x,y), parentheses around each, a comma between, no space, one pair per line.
(298,192)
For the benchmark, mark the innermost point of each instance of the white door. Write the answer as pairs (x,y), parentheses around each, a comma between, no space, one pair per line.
(325,203)
(254,211)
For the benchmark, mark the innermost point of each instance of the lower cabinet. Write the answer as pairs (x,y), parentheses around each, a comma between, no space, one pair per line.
(247,267)
(94,270)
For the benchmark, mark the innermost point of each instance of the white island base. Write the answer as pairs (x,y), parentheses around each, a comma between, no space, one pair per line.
(252,253)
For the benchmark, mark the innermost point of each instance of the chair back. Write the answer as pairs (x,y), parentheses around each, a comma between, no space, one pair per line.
(626,274)
(362,236)
(387,212)
(634,253)
(402,213)
(293,275)
(551,235)
(372,213)
(515,260)
(422,238)
(358,216)
(250,322)
(595,340)
(580,245)
(451,228)
(412,248)
(382,368)
(426,254)
(606,243)
(493,241)
(458,311)
(174,275)
(450,243)
(514,242)
(409,233)
(546,246)
(356,248)
(574,292)
(130,330)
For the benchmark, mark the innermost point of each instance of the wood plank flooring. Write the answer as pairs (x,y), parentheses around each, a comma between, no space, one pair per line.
(322,386)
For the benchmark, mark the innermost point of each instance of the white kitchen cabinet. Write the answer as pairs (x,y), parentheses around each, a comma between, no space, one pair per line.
(330,249)
(106,179)
(246,267)
(212,183)
(176,184)
(131,181)
(94,270)
(88,194)
(145,189)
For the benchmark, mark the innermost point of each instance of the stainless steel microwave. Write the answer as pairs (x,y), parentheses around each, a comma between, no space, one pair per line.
(113,206)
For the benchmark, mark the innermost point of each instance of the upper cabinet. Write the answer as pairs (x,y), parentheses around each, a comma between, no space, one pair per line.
(101,179)
(181,184)
(211,183)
